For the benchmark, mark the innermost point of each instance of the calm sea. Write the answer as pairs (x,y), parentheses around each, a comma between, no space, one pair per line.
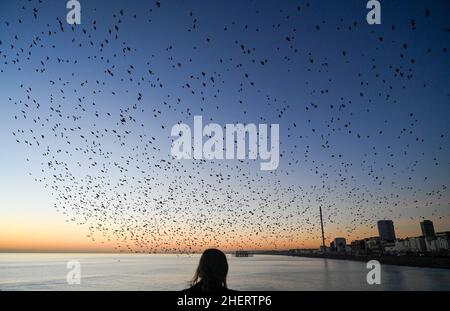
(172,272)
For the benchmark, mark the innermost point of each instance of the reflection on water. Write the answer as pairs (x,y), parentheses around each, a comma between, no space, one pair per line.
(172,272)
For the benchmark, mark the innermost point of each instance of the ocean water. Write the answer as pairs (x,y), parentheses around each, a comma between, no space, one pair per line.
(172,272)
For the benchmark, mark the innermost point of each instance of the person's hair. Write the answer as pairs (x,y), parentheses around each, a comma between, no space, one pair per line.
(212,270)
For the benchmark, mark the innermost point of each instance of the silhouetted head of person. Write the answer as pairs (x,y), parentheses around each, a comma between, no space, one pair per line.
(212,270)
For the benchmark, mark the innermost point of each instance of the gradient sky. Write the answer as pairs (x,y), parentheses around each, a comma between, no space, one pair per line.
(364,114)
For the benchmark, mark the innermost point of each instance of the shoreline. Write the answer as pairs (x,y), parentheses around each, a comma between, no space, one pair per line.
(409,261)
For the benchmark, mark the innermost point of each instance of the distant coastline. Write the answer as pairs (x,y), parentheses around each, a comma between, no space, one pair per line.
(411,261)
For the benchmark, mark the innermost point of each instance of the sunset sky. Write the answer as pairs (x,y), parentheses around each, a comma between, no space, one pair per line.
(364,114)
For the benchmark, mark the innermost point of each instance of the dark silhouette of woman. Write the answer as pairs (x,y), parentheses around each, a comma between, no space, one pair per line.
(211,274)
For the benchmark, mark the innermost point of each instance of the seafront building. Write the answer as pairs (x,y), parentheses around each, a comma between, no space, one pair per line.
(339,245)
(428,230)
(386,230)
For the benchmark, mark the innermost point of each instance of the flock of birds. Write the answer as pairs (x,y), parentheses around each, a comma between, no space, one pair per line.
(96,119)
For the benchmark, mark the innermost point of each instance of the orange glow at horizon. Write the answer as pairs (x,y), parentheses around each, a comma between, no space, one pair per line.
(51,235)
